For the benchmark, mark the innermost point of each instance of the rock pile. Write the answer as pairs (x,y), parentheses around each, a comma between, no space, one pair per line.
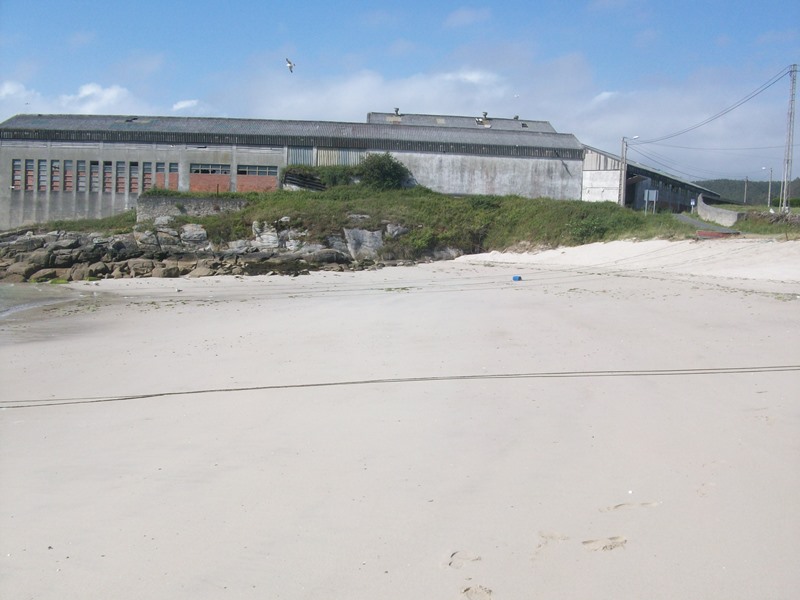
(167,252)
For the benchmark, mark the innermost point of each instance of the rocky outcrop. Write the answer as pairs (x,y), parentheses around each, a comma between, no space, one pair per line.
(170,251)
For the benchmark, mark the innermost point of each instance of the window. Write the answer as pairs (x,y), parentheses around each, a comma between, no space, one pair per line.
(108,176)
(210,168)
(173,167)
(159,167)
(28,175)
(68,176)
(257,170)
(55,175)
(133,177)
(120,183)
(147,176)
(94,176)
(42,176)
(81,175)
(16,174)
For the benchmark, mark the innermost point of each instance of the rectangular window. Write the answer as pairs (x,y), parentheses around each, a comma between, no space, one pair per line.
(147,176)
(160,167)
(108,176)
(210,169)
(55,175)
(29,175)
(81,175)
(94,176)
(42,176)
(173,167)
(257,170)
(68,175)
(133,176)
(16,174)
(120,183)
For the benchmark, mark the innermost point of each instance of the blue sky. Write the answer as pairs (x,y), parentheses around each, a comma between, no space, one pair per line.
(600,69)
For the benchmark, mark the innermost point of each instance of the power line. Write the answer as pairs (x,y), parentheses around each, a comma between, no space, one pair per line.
(747,98)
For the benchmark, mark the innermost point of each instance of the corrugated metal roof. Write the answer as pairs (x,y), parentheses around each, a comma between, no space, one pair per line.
(476,122)
(639,168)
(372,136)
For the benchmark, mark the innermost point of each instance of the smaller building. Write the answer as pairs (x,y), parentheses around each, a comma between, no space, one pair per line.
(645,187)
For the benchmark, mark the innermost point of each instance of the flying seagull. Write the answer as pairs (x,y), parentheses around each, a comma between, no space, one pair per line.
(290,65)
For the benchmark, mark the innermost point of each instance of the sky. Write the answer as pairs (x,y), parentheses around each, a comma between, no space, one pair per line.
(598,69)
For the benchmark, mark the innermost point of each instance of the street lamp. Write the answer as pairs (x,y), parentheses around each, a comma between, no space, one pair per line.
(623,168)
(769,189)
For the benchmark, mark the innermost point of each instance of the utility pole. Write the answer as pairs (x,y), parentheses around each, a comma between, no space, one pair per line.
(623,168)
(745,189)
(769,189)
(787,155)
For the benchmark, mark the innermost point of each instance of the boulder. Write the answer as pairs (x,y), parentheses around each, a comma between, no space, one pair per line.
(139,267)
(40,257)
(363,244)
(23,269)
(97,269)
(45,274)
(167,272)
(327,256)
(79,272)
(202,271)
(192,233)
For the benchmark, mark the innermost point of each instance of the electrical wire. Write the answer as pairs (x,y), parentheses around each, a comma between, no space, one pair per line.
(785,71)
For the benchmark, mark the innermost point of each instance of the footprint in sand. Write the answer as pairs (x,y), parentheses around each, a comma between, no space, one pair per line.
(630,505)
(547,538)
(477,592)
(459,558)
(610,543)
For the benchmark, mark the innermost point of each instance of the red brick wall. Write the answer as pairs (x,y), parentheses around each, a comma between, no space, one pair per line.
(199,182)
(256,183)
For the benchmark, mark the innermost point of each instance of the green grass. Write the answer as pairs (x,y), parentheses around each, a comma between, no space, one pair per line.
(434,221)
(121,223)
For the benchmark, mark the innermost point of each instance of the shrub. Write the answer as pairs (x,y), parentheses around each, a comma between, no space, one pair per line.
(383,172)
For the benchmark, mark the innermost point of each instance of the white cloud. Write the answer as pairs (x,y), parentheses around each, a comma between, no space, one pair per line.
(94,98)
(185,104)
(467,16)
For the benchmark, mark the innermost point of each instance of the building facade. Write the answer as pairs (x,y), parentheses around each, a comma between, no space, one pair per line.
(87,166)
(83,166)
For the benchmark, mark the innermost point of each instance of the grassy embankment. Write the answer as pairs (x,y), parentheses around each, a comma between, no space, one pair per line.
(436,221)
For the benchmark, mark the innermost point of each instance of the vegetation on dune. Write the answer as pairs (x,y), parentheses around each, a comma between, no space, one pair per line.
(372,195)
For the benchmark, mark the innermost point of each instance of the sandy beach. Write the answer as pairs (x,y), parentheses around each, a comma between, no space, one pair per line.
(619,420)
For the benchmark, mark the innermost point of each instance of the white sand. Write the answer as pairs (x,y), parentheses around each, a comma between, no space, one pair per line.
(611,426)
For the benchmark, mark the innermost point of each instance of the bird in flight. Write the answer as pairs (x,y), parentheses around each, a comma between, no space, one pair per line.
(290,65)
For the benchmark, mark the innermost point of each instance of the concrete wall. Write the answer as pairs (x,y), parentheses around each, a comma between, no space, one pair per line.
(526,177)
(600,186)
(21,207)
(446,173)
(721,216)
(152,207)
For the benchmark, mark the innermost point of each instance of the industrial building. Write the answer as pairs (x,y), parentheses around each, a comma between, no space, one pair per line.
(88,166)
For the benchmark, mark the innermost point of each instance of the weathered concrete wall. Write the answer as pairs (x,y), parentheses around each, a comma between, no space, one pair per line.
(21,207)
(721,216)
(527,177)
(151,207)
(600,186)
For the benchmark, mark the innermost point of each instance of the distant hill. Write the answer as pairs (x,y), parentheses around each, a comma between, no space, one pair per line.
(734,190)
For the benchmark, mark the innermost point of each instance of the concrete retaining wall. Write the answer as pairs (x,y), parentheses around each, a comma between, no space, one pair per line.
(151,207)
(721,216)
